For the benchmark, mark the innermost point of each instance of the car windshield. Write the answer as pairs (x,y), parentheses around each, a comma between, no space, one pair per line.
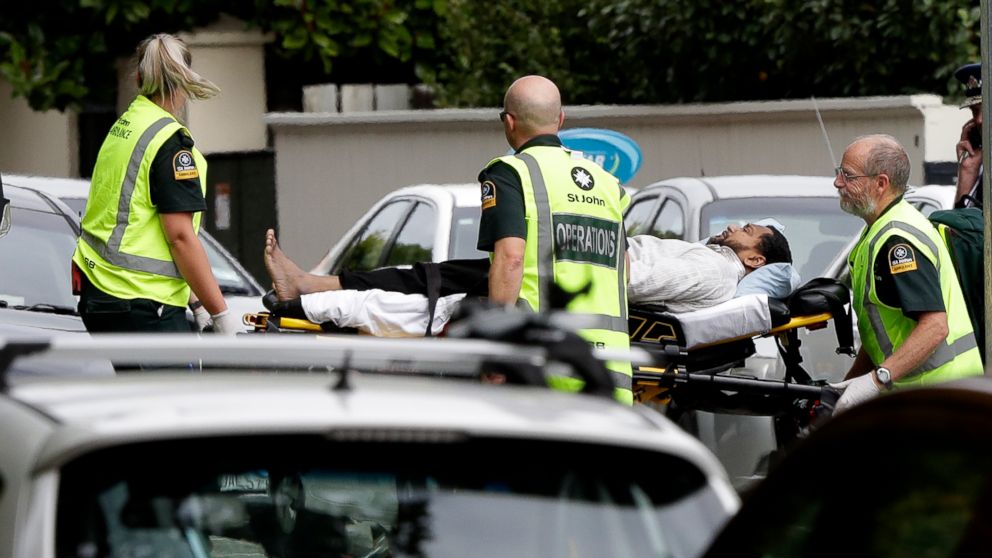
(228,278)
(817,228)
(34,260)
(382,494)
(465,234)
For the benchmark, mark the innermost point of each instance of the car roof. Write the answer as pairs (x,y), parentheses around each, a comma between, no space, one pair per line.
(34,200)
(464,195)
(87,413)
(943,195)
(53,186)
(708,188)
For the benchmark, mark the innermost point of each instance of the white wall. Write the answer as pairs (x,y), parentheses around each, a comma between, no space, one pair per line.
(234,59)
(42,143)
(331,167)
(47,143)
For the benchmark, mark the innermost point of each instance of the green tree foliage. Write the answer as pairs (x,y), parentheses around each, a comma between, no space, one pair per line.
(63,54)
(485,45)
(664,51)
(599,51)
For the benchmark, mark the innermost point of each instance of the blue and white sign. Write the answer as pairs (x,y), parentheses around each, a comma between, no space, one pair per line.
(615,152)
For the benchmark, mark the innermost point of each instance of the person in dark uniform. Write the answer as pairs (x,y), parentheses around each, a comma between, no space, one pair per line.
(552,217)
(139,261)
(4,211)
(915,328)
(969,148)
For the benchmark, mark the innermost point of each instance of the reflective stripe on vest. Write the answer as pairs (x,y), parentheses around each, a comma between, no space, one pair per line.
(110,250)
(622,381)
(945,352)
(545,271)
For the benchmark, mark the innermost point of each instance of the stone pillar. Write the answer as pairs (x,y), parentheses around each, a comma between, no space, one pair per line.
(234,59)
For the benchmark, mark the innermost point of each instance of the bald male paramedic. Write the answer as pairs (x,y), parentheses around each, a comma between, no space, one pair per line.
(548,214)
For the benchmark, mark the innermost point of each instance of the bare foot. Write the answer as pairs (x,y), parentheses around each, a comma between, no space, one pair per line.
(286,275)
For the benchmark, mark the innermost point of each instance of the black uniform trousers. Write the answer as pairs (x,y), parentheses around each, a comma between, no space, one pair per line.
(469,277)
(104,313)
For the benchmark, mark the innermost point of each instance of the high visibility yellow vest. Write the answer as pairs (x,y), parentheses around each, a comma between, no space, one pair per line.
(122,249)
(574,211)
(884,328)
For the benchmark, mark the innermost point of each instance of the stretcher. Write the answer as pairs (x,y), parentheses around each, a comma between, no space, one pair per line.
(700,353)
(696,354)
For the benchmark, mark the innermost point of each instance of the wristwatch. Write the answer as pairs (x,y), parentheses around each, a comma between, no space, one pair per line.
(884,377)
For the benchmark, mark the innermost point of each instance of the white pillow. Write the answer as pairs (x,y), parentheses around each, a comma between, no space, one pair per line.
(776,280)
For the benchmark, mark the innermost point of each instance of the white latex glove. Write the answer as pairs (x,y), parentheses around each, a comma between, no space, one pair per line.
(202,318)
(856,391)
(225,323)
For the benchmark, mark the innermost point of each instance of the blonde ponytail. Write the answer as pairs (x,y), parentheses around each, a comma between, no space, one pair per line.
(164,69)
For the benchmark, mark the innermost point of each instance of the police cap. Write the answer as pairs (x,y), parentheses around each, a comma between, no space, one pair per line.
(971,76)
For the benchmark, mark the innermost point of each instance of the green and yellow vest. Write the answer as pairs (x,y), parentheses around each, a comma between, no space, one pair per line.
(884,328)
(574,212)
(122,249)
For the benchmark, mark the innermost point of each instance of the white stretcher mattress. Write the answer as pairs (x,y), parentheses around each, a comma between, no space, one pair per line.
(745,315)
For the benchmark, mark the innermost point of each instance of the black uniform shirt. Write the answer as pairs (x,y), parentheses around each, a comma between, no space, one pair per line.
(503,211)
(906,279)
(174,178)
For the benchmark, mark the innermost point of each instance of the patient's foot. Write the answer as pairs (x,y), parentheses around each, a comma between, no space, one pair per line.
(286,275)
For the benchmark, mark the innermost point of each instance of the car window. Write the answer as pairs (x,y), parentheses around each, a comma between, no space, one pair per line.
(77,204)
(465,234)
(670,222)
(365,252)
(637,220)
(351,496)
(230,280)
(909,477)
(817,228)
(925,207)
(415,241)
(35,258)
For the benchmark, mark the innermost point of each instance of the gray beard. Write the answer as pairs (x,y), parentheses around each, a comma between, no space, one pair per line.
(864,207)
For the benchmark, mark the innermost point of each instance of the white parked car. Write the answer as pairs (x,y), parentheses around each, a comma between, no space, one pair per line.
(241,291)
(820,236)
(819,349)
(420,223)
(439,222)
(432,222)
(254,463)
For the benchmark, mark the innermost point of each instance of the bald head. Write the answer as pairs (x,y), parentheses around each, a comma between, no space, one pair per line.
(535,103)
(883,154)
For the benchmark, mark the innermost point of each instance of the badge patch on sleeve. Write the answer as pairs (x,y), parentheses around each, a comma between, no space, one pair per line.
(488,194)
(902,259)
(183,166)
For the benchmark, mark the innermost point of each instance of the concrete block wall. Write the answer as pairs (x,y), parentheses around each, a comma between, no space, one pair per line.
(330,168)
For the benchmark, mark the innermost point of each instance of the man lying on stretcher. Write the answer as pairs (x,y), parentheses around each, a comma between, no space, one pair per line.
(391,302)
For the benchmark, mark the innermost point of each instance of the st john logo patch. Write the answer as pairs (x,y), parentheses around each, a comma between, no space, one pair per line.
(902,259)
(183,166)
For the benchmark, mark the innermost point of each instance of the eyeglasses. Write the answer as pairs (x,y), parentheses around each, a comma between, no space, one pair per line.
(839,171)
(502,115)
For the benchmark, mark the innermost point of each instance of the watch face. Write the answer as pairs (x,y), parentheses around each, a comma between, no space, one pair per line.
(883,375)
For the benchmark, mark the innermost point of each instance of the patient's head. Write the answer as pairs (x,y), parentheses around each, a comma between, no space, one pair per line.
(755,245)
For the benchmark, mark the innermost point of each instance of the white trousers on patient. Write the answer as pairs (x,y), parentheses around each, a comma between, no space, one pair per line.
(377,312)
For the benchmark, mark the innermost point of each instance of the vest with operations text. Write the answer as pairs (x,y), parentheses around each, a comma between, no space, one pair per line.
(575,237)
(122,249)
(884,328)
